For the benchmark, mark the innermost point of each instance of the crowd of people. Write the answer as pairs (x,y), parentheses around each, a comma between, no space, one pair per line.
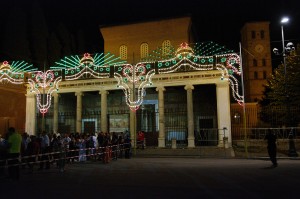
(45,150)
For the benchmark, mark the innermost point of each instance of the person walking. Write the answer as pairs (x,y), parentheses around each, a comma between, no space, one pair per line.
(272,148)
(14,143)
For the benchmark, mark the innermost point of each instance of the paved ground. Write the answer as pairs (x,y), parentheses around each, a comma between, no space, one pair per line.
(161,178)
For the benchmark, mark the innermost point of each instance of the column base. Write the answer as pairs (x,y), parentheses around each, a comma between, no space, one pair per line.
(161,143)
(191,142)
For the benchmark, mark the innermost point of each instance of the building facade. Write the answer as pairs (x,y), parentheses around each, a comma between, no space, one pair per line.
(179,89)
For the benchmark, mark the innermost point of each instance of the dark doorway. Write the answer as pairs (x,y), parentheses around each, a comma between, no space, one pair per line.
(208,135)
(89,127)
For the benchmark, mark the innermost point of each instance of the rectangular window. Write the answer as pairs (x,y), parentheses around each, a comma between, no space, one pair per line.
(254,62)
(255,75)
(262,34)
(265,75)
(263,62)
(253,34)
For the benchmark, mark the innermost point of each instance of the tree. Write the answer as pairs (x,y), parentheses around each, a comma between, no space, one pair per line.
(280,104)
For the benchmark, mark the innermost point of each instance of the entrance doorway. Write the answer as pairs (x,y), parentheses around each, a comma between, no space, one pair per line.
(207,134)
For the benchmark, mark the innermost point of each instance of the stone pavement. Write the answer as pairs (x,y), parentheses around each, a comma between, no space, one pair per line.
(154,177)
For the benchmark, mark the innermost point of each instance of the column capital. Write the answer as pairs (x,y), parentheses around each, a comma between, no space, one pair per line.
(189,87)
(79,93)
(103,92)
(31,94)
(222,84)
(54,94)
(162,88)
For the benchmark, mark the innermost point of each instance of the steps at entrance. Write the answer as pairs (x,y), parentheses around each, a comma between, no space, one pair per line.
(197,152)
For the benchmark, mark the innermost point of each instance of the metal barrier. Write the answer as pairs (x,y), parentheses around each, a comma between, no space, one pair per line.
(203,137)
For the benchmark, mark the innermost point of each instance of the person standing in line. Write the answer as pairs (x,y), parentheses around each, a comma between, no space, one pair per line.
(66,142)
(3,153)
(24,144)
(127,146)
(14,143)
(272,148)
(45,146)
(141,139)
(81,145)
(121,145)
(32,151)
(63,148)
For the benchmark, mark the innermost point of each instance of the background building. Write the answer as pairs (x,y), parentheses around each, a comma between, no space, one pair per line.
(134,42)
(256,54)
(79,108)
(13,107)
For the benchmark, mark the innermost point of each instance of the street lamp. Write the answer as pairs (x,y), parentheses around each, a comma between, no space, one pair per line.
(287,49)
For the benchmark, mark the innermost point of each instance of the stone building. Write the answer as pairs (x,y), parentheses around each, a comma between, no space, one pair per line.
(188,97)
(257,63)
(257,68)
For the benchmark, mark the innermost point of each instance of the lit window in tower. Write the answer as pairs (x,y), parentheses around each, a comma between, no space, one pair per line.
(166,47)
(123,52)
(144,50)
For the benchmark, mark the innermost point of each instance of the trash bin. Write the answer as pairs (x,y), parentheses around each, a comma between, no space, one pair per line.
(174,143)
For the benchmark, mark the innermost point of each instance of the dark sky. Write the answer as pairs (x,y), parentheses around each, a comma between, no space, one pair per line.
(215,20)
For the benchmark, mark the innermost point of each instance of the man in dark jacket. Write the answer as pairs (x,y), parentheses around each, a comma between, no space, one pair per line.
(272,148)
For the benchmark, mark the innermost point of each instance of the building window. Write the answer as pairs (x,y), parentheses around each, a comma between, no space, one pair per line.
(263,62)
(265,75)
(144,50)
(254,62)
(255,75)
(123,52)
(166,47)
(253,34)
(262,34)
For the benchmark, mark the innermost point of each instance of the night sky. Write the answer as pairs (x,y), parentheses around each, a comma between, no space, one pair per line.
(215,20)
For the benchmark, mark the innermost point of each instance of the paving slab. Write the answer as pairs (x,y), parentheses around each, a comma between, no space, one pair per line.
(166,177)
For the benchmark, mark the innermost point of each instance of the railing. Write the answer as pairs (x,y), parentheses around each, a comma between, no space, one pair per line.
(251,142)
(203,137)
(260,133)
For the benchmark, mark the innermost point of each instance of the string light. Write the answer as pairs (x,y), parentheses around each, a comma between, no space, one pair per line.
(133,80)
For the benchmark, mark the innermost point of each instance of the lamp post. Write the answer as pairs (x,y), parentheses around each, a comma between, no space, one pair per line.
(286,49)
(284,20)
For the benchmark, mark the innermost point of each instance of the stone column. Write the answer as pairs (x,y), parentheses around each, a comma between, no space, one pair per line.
(161,111)
(223,111)
(55,113)
(132,124)
(79,112)
(30,124)
(103,121)
(190,115)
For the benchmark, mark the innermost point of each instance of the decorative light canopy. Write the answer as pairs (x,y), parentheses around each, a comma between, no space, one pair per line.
(44,84)
(209,48)
(133,79)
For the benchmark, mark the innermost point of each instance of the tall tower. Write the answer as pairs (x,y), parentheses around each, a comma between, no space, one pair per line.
(256,54)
